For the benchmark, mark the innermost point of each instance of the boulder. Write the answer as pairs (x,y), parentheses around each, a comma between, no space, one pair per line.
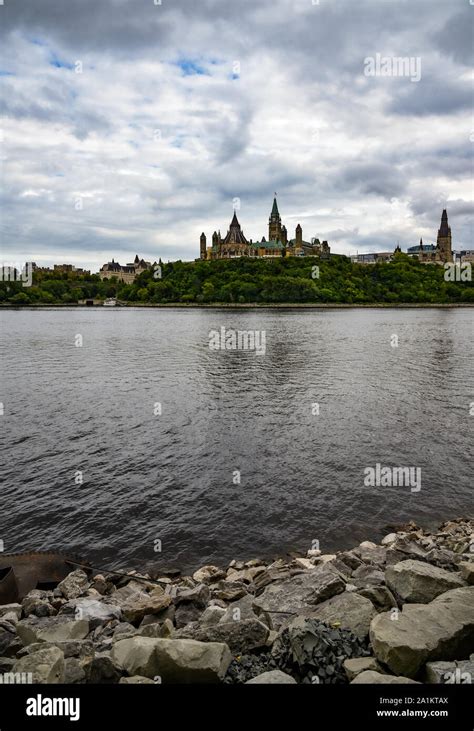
(272,677)
(241,636)
(457,672)
(367,575)
(356,665)
(199,595)
(208,574)
(136,603)
(298,594)
(75,584)
(380,596)
(73,671)
(420,582)
(187,612)
(173,661)
(51,629)
(348,610)
(440,630)
(38,603)
(372,677)
(212,615)
(70,648)
(97,612)
(136,680)
(10,643)
(467,571)
(228,591)
(102,669)
(46,665)
(10,612)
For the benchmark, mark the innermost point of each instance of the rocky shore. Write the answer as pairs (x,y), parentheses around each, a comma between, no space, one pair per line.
(398,612)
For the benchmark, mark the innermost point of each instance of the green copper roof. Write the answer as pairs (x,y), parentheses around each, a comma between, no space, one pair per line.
(275,211)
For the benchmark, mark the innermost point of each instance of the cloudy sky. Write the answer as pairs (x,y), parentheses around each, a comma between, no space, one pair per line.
(130,127)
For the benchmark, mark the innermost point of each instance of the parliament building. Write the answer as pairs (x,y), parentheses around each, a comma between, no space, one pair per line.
(234,244)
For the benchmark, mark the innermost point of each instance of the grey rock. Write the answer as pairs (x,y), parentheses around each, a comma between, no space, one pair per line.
(440,630)
(45,666)
(456,672)
(102,669)
(356,665)
(208,574)
(70,648)
(73,671)
(467,571)
(380,596)
(38,603)
(159,629)
(174,661)
(241,636)
(372,677)
(228,591)
(212,615)
(199,595)
(75,584)
(272,677)
(348,610)
(187,612)
(283,599)
(51,629)
(10,612)
(419,582)
(136,680)
(136,603)
(96,612)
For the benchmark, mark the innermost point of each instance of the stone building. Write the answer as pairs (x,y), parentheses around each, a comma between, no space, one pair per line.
(443,252)
(235,244)
(126,273)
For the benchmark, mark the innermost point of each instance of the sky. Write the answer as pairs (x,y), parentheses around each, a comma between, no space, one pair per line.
(131,126)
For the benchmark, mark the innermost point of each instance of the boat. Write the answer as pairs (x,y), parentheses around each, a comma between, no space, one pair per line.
(22,572)
(110,302)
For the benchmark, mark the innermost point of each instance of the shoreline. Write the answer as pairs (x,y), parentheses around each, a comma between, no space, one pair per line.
(306,618)
(246,306)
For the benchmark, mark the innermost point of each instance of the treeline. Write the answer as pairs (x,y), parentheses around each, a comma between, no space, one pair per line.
(295,279)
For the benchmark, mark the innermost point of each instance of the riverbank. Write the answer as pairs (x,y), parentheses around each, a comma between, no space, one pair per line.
(248,306)
(401,611)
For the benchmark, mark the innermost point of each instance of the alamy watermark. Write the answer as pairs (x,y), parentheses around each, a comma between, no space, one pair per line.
(379,476)
(15,272)
(238,340)
(395,66)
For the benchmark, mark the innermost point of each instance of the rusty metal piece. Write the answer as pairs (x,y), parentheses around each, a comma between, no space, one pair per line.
(22,572)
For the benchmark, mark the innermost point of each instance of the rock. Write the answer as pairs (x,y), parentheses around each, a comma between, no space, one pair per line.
(313,553)
(102,669)
(372,677)
(350,559)
(303,563)
(241,609)
(136,680)
(10,612)
(38,603)
(6,664)
(457,672)
(356,665)
(277,571)
(212,615)
(367,575)
(311,651)
(199,596)
(419,582)
(241,636)
(70,648)
(187,612)
(440,630)
(299,593)
(389,539)
(51,629)
(73,671)
(136,604)
(173,661)
(46,666)
(97,612)
(370,553)
(163,629)
(380,596)
(348,610)
(10,643)
(208,574)
(325,558)
(75,584)
(467,571)
(367,545)
(228,591)
(272,677)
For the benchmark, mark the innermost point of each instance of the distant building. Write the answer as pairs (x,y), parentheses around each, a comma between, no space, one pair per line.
(69,268)
(421,249)
(235,244)
(443,252)
(373,257)
(126,273)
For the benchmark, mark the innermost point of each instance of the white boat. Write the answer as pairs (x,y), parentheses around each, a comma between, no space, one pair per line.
(110,302)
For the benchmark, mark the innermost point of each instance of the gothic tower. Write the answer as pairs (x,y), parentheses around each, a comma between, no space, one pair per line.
(443,242)
(274,223)
(203,245)
(299,236)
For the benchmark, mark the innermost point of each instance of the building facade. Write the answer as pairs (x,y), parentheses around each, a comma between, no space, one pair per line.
(443,252)
(126,273)
(235,244)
